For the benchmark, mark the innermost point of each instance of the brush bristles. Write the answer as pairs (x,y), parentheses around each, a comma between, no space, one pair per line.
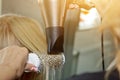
(53,61)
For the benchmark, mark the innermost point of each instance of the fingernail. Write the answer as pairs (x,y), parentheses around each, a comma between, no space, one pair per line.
(35,69)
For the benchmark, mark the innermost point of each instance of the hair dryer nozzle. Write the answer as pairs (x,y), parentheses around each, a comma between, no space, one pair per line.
(55,39)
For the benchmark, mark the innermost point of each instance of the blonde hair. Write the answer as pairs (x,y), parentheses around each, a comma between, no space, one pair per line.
(26,31)
(22,31)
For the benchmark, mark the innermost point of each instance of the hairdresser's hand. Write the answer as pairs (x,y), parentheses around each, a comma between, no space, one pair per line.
(12,61)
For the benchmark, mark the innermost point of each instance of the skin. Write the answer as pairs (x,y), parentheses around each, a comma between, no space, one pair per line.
(12,62)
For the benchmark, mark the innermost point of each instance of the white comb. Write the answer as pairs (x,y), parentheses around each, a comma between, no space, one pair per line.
(35,60)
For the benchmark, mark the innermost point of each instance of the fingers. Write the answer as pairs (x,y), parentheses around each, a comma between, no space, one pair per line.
(25,50)
(30,68)
(21,59)
(15,57)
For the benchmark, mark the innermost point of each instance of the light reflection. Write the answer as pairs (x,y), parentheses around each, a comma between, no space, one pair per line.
(89,19)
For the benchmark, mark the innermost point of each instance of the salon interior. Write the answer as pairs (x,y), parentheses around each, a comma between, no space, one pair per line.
(89,51)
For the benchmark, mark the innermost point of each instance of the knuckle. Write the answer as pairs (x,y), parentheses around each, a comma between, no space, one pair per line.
(25,50)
